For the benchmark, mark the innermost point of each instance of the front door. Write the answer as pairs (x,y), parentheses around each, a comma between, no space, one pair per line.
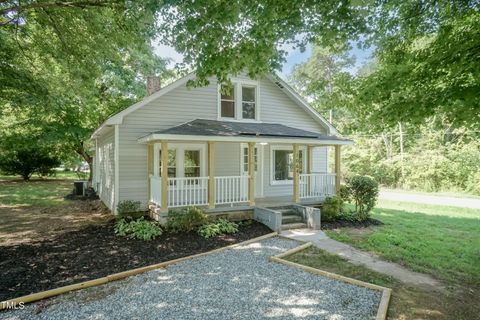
(258,156)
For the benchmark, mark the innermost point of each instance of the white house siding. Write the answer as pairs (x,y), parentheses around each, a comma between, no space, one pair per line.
(105,160)
(181,105)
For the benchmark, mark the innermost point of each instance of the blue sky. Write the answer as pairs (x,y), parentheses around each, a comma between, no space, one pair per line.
(294,57)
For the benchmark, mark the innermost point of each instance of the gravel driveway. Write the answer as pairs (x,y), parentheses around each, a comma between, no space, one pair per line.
(238,283)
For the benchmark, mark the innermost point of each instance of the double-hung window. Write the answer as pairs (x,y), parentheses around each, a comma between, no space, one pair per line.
(248,102)
(239,101)
(172,163)
(227,102)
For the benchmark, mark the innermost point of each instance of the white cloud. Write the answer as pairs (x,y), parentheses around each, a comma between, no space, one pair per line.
(167,52)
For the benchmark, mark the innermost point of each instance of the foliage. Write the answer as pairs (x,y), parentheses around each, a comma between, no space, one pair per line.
(225,38)
(128,206)
(140,229)
(364,192)
(63,84)
(186,220)
(331,208)
(26,159)
(219,227)
(426,53)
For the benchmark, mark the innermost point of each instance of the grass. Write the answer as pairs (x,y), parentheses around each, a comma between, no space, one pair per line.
(441,241)
(407,302)
(454,194)
(36,192)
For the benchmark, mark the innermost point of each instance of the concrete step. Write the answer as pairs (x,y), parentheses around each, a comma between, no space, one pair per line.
(291,219)
(298,225)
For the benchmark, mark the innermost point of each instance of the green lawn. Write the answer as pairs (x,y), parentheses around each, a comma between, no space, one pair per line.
(441,241)
(36,192)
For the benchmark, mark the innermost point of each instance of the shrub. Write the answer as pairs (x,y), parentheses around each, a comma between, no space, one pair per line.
(221,226)
(28,160)
(186,220)
(344,193)
(331,208)
(140,229)
(364,192)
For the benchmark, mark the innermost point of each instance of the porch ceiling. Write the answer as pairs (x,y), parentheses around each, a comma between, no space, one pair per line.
(214,130)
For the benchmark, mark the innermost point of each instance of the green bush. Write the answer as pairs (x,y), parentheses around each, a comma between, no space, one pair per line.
(364,193)
(331,208)
(128,206)
(140,229)
(221,226)
(188,219)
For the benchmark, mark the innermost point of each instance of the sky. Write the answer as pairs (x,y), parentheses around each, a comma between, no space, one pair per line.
(294,57)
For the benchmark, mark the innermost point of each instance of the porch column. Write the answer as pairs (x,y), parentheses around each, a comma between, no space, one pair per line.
(251,173)
(309,167)
(338,170)
(149,169)
(211,178)
(296,175)
(164,173)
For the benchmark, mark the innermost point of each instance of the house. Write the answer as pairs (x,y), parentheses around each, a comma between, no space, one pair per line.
(218,149)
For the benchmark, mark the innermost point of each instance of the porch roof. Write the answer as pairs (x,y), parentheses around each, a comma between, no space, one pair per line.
(215,130)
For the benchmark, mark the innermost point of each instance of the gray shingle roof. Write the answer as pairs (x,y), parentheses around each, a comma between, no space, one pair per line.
(203,127)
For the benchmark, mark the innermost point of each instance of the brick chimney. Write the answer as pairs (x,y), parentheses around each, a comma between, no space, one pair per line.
(153,84)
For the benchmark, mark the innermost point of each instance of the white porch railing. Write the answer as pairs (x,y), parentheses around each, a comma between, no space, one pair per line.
(187,191)
(231,189)
(194,191)
(316,185)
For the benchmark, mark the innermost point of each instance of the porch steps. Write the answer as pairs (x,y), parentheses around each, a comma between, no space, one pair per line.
(298,225)
(291,219)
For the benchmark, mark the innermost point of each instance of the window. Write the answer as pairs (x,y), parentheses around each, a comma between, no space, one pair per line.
(245,159)
(248,102)
(191,163)
(227,102)
(172,163)
(283,164)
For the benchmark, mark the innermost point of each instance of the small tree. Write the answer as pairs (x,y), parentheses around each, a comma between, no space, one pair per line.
(27,160)
(364,193)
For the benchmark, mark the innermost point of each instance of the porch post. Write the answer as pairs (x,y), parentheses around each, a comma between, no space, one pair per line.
(164,173)
(296,175)
(309,167)
(251,173)
(338,170)
(149,169)
(211,178)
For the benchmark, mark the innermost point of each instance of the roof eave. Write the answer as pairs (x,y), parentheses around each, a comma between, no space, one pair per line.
(179,137)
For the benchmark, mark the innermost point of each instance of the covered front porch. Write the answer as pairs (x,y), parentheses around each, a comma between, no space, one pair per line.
(224,167)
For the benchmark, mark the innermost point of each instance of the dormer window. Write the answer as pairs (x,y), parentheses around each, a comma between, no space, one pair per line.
(227,104)
(240,101)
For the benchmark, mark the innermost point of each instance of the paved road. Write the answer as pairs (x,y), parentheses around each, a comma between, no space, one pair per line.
(431,199)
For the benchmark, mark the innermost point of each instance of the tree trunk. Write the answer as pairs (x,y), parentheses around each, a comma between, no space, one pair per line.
(88,158)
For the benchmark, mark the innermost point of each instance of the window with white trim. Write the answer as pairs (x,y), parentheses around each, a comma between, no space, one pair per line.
(248,102)
(191,163)
(172,163)
(227,102)
(240,101)
(283,165)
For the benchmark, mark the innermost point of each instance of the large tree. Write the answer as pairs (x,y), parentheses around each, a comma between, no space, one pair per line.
(66,66)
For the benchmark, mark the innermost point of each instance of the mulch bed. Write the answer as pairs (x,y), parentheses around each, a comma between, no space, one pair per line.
(353,224)
(95,252)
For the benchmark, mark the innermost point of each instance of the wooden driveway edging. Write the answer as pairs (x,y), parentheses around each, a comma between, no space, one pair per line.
(386,292)
(117,276)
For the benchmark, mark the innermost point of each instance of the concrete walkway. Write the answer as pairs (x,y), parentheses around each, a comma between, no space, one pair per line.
(355,256)
(472,203)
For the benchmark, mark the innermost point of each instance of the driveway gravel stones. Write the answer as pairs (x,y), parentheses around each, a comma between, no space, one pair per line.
(238,283)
